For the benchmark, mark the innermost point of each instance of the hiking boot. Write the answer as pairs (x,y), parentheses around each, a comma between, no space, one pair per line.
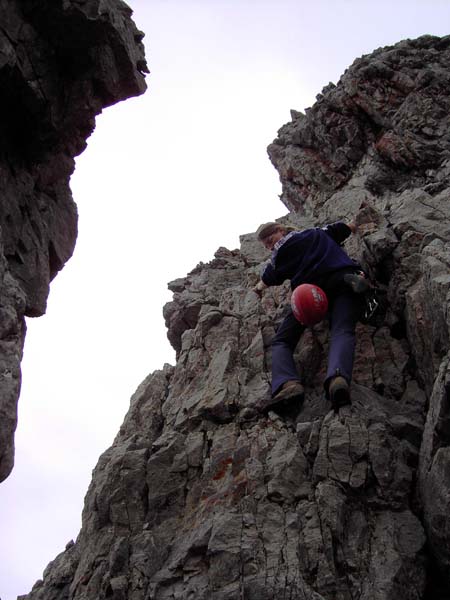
(288,401)
(339,392)
(358,283)
(290,389)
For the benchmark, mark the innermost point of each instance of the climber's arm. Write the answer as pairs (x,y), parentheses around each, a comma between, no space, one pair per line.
(269,277)
(340,231)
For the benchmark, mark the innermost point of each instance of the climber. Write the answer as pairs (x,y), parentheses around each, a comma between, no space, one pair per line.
(314,256)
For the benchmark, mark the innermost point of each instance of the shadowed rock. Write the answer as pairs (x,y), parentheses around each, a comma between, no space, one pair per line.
(61,63)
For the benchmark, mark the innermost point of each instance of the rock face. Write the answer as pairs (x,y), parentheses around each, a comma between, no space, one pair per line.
(203,495)
(61,63)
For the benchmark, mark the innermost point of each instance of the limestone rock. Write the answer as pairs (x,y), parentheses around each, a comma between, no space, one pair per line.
(61,63)
(205,494)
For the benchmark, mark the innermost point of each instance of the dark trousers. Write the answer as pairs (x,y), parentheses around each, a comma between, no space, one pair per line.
(344,311)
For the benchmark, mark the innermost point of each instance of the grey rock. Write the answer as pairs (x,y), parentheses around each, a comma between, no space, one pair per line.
(60,65)
(204,494)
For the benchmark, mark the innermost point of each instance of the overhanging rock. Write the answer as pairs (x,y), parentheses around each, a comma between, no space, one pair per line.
(61,63)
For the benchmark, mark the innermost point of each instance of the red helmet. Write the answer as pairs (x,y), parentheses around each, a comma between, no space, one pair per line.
(309,304)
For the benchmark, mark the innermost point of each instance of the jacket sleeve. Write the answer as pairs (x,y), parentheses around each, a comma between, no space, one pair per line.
(269,275)
(338,231)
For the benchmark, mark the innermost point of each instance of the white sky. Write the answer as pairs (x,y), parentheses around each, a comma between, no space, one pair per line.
(166,179)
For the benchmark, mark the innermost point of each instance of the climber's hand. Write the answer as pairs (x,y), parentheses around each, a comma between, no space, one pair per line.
(352,226)
(259,287)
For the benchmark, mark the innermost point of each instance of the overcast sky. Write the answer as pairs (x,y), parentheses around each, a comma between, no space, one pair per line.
(166,179)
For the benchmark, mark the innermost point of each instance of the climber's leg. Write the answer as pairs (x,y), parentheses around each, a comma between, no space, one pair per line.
(283,347)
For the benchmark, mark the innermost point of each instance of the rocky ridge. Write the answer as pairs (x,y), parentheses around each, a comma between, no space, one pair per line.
(61,63)
(203,495)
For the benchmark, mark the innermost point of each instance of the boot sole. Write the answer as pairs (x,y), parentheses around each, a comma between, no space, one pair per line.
(341,397)
(287,405)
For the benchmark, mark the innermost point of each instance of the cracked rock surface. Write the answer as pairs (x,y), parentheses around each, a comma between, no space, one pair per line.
(61,63)
(205,494)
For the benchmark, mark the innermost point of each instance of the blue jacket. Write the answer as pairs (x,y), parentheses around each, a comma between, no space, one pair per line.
(307,256)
